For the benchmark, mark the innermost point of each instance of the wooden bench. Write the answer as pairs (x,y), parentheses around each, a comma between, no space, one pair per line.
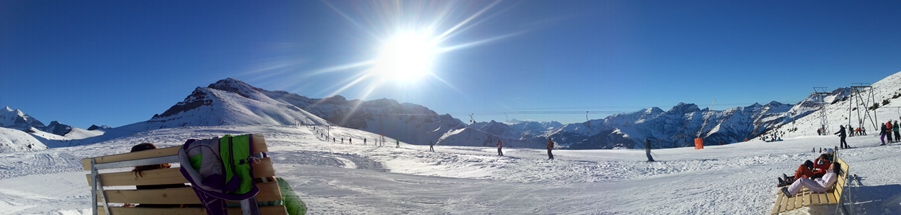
(118,187)
(806,198)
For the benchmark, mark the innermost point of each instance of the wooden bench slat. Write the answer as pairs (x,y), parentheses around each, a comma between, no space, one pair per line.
(831,199)
(779,201)
(259,145)
(806,198)
(168,176)
(278,209)
(269,191)
(818,198)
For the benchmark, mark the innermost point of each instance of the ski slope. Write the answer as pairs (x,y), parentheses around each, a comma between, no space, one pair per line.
(334,178)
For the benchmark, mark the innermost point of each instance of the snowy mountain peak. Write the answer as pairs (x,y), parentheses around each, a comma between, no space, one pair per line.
(684,108)
(236,86)
(653,110)
(231,102)
(15,118)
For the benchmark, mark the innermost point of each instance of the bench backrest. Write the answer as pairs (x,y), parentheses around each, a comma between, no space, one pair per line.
(842,178)
(118,184)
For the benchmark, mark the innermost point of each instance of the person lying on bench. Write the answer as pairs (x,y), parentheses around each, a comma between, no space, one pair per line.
(810,169)
(818,185)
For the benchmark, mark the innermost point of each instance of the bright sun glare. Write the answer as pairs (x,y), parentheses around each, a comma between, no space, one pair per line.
(406,57)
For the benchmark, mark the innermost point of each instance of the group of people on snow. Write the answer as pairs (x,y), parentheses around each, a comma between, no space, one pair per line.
(887,129)
(817,176)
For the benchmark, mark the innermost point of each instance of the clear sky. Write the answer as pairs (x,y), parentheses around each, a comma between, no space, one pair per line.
(119,62)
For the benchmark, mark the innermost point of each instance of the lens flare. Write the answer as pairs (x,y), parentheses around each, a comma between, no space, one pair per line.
(406,57)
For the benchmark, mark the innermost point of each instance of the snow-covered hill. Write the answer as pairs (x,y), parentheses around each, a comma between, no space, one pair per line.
(517,134)
(12,140)
(334,178)
(854,110)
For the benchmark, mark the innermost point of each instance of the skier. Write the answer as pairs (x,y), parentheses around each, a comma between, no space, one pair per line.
(647,149)
(888,131)
(882,134)
(398,143)
(364,141)
(550,146)
(841,133)
(499,146)
(431,146)
(896,129)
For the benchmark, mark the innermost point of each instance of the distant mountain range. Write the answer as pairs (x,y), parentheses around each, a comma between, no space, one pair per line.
(233,102)
(16,119)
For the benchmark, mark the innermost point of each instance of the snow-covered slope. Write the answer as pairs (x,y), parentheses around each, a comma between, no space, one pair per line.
(12,140)
(335,178)
(231,102)
(855,110)
(517,134)
(407,122)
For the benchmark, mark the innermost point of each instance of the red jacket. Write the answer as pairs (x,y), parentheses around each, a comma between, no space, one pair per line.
(500,144)
(820,168)
(550,144)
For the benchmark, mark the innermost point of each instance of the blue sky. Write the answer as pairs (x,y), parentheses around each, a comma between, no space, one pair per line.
(119,62)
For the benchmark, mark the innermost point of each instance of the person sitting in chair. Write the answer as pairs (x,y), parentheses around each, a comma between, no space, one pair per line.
(816,185)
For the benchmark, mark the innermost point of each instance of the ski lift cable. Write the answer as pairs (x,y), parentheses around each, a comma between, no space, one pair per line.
(706,118)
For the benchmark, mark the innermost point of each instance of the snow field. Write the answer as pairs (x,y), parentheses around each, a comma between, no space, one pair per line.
(334,178)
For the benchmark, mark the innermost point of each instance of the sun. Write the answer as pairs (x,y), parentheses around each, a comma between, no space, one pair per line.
(406,57)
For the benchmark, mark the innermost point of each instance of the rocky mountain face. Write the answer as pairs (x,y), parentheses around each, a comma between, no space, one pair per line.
(98,127)
(679,126)
(16,119)
(406,122)
(231,101)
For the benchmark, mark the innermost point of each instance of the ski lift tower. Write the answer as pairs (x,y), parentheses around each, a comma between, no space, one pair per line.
(821,100)
(861,97)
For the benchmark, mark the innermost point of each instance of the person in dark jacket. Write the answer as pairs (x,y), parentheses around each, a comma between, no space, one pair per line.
(500,145)
(841,133)
(882,131)
(550,146)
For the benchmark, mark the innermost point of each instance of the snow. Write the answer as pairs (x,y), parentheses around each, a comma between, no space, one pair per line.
(12,140)
(334,178)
